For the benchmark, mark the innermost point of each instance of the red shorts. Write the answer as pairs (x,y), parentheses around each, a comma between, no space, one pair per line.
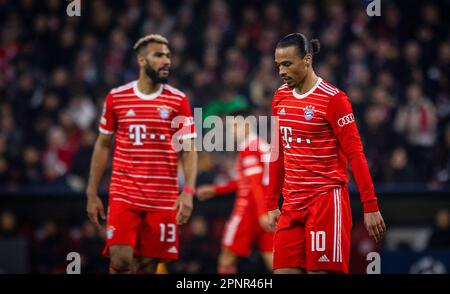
(151,233)
(317,237)
(243,233)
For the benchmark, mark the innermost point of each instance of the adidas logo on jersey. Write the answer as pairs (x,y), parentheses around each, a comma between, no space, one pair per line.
(172,249)
(131,113)
(324,258)
(282,111)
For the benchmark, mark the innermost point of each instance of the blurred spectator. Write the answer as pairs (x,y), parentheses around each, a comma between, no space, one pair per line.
(82,158)
(399,169)
(8,225)
(440,238)
(417,122)
(31,167)
(92,243)
(51,248)
(443,157)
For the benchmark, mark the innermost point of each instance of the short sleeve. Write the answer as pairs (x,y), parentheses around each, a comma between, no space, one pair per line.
(107,123)
(183,123)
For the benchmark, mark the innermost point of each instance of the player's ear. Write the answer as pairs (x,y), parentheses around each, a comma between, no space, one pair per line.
(140,60)
(308,59)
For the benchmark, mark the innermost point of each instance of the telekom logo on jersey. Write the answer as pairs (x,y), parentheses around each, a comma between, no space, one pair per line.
(286,133)
(137,133)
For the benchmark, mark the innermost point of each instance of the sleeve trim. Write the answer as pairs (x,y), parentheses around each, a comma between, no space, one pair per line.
(105,132)
(187,136)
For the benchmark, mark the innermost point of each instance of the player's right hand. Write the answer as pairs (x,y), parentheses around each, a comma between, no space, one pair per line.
(273,216)
(94,208)
(205,192)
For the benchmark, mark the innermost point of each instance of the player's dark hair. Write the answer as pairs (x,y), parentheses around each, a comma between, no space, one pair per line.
(300,42)
(144,41)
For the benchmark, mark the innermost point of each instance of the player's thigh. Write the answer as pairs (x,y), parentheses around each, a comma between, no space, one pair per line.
(289,246)
(240,232)
(158,236)
(268,260)
(328,229)
(143,264)
(227,257)
(122,228)
(121,254)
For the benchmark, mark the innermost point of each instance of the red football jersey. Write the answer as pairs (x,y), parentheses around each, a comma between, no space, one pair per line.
(317,137)
(252,177)
(145,162)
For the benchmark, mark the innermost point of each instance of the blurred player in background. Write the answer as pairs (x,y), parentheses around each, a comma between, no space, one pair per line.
(317,137)
(144,206)
(248,225)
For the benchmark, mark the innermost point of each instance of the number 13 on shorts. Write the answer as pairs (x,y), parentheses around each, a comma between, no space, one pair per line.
(167,232)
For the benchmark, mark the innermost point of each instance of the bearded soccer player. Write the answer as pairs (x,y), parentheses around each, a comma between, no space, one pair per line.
(149,122)
(317,137)
(248,225)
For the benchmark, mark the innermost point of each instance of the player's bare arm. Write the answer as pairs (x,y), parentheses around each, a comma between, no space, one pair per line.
(205,192)
(184,203)
(98,165)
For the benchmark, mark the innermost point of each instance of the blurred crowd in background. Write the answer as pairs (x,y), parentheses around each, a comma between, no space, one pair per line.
(55,71)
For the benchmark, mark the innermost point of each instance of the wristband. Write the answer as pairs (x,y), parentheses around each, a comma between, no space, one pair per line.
(189,190)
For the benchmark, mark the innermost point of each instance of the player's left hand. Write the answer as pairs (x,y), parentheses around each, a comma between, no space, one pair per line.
(375,225)
(265,223)
(184,205)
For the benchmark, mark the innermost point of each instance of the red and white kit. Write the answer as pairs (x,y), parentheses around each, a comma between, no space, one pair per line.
(243,231)
(144,182)
(317,137)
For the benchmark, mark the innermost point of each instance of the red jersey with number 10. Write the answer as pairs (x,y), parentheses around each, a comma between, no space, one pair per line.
(317,137)
(145,162)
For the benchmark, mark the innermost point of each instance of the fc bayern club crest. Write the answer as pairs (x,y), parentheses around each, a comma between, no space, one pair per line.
(309,112)
(164,112)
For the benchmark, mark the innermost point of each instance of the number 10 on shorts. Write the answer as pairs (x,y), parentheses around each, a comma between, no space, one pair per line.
(317,241)
(167,232)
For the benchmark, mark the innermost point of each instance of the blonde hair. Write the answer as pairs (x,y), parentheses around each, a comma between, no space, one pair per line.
(152,38)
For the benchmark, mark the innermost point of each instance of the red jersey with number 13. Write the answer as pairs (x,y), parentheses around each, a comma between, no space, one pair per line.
(145,164)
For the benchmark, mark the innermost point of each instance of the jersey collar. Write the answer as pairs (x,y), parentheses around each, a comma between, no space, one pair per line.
(301,96)
(147,96)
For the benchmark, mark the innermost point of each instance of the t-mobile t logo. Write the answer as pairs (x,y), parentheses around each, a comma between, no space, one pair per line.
(286,133)
(137,132)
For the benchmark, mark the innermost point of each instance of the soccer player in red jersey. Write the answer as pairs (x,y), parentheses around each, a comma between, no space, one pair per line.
(148,121)
(317,136)
(248,224)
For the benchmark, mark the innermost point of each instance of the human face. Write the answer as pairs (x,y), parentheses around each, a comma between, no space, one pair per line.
(155,59)
(292,68)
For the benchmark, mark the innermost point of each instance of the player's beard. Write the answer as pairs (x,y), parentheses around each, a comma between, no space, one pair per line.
(154,76)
